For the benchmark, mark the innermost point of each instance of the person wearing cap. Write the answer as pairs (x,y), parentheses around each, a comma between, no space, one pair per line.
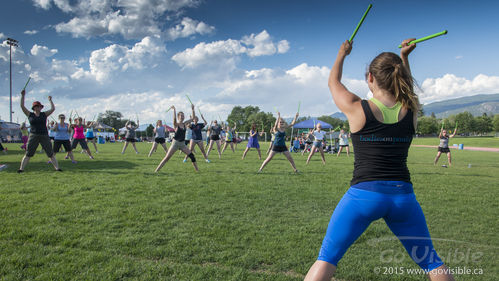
(38,133)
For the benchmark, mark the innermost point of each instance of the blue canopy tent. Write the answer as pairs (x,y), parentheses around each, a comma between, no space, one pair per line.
(310,124)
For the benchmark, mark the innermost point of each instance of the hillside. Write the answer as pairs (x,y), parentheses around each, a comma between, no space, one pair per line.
(476,105)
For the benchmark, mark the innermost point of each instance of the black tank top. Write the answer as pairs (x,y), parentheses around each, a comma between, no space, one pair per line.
(38,123)
(381,149)
(179,134)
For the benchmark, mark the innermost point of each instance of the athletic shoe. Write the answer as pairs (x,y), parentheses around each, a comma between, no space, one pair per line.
(91,157)
(208,161)
(96,151)
(445,166)
(3,167)
(297,171)
(49,162)
(58,170)
(74,162)
(67,157)
(185,160)
(20,171)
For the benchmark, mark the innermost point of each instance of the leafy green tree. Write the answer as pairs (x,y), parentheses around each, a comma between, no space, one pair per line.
(483,124)
(335,122)
(495,122)
(427,125)
(112,118)
(240,115)
(466,122)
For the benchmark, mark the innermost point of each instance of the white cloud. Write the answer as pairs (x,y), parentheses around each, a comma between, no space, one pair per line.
(44,4)
(451,86)
(227,52)
(31,32)
(187,28)
(120,58)
(42,51)
(2,35)
(459,57)
(132,19)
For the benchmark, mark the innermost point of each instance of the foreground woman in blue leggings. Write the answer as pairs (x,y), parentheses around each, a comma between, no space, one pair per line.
(381,186)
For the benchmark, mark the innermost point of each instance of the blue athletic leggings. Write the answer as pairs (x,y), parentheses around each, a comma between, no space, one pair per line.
(360,206)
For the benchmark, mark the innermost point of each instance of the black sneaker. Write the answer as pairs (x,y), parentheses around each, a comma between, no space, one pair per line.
(20,171)
(59,170)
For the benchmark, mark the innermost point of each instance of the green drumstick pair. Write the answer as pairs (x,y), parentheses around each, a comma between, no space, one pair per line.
(400,46)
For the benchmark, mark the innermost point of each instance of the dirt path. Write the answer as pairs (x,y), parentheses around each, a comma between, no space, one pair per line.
(490,149)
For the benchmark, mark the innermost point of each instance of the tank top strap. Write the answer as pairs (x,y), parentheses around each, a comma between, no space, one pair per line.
(367,111)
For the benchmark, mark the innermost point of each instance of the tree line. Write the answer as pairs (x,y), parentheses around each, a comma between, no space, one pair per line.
(467,124)
(244,117)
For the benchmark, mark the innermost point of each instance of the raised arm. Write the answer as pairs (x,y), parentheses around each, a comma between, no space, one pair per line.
(294,120)
(24,109)
(193,111)
(405,51)
(235,126)
(174,117)
(277,121)
(346,101)
(441,130)
(455,131)
(204,120)
(52,107)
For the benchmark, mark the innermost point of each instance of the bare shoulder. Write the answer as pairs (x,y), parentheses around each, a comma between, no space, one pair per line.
(356,117)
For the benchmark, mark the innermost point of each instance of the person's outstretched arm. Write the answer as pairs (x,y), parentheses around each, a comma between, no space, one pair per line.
(346,101)
(455,131)
(52,107)
(174,117)
(294,120)
(24,109)
(277,122)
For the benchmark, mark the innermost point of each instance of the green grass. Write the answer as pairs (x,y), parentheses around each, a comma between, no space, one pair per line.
(114,219)
(467,141)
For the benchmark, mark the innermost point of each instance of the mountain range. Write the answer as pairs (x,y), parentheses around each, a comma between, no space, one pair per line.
(476,105)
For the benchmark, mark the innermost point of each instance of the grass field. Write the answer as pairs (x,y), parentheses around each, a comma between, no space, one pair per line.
(114,219)
(467,141)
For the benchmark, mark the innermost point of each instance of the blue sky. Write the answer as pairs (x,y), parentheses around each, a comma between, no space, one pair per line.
(141,56)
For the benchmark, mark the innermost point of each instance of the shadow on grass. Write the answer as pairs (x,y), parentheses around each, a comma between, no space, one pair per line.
(87,166)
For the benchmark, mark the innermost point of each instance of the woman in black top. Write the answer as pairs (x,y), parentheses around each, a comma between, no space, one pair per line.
(381,186)
(178,140)
(38,132)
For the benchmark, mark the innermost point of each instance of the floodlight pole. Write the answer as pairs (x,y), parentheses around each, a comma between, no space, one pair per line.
(11,42)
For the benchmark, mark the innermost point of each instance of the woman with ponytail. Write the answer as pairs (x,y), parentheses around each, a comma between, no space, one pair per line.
(382,130)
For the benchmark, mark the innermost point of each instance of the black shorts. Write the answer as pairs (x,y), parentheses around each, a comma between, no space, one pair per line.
(229,141)
(215,137)
(130,139)
(90,138)
(187,142)
(159,140)
(1,147)
(279,148)
(343,145)
(59,143)
(51,138)
(82,143)
(309,142)
(443,149)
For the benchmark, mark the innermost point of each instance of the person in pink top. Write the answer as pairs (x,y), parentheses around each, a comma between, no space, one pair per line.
(79,136)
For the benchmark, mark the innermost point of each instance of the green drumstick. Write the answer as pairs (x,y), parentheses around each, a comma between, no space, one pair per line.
(360,23)
(189,99)
(299,103)
(426,38)
(29,78)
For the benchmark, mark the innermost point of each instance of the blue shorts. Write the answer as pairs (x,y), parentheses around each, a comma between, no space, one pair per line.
(365,202)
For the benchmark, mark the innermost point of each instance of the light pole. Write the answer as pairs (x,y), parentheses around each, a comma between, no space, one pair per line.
(11,42)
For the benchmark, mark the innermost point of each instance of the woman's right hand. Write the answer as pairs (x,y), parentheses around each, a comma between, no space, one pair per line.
(406,48)
(345,49)
(23,92)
